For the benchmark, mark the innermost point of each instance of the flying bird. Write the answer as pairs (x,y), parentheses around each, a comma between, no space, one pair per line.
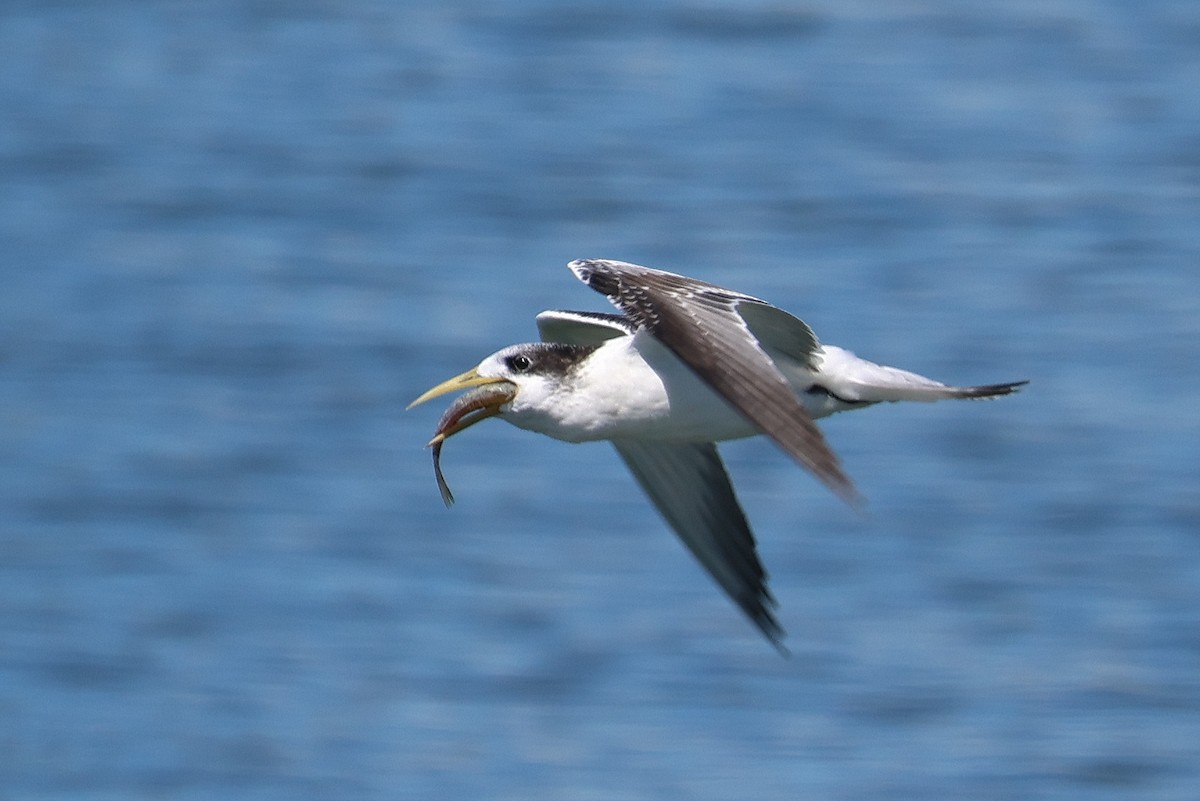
(686,365)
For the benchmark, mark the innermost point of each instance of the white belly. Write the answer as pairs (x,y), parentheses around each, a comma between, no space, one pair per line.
(628,390)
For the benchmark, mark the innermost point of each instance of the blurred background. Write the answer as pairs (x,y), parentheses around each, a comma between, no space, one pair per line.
(238,237)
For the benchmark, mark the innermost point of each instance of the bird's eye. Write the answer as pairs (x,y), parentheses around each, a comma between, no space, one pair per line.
(520,363)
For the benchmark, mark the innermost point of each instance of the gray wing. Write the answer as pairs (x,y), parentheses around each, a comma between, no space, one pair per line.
(721,335)
(581,327)
(691,489)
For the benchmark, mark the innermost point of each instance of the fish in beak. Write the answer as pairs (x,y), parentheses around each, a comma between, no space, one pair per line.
(487,396)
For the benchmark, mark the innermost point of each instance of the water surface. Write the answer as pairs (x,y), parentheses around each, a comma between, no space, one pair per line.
(239,238)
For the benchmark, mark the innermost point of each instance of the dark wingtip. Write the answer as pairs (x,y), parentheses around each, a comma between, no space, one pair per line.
(853,498)
(770,628)
(592,273)
(831,475)
(759,608)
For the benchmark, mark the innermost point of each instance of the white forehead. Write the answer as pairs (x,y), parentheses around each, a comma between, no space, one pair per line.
(497,363)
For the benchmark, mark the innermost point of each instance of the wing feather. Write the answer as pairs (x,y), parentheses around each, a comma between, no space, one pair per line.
(691,489)
(713,331)
(581,327)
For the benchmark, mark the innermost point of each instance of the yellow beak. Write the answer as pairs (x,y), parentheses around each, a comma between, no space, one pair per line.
(460,382)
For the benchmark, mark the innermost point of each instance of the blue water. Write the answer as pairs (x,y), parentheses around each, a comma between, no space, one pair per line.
(239,237)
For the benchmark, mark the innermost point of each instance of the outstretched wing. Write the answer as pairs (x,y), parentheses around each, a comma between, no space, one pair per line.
(689,485)
(724,337)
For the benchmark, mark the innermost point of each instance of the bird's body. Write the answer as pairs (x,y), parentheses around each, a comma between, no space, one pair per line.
(657,398)
(633,387)
(687,365)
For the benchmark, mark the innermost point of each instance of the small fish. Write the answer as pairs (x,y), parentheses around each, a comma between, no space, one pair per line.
(471,407)
(443,487)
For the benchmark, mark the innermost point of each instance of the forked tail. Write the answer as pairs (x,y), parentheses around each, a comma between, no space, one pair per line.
(987,390)
(854,380)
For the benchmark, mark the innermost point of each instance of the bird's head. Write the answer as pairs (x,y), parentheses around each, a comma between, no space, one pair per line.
(518,381)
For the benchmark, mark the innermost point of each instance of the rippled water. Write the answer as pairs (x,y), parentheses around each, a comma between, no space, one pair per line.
(239,237)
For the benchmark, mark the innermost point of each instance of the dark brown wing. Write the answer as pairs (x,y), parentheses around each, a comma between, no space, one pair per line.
(707,328)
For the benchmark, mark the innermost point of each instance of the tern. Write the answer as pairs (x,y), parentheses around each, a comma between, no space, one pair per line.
(686,365)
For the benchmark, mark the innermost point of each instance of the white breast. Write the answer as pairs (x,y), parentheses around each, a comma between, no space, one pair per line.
(633,387)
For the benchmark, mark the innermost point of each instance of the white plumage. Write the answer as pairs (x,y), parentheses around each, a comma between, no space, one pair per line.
(689,364)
